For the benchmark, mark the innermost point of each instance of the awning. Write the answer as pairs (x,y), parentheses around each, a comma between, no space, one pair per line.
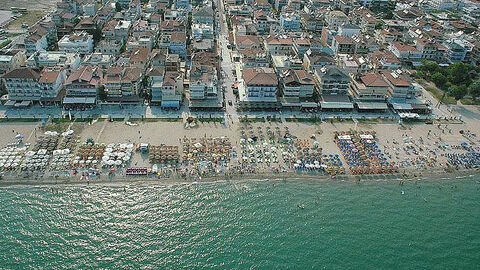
(344,137)
(291,104)
(402,106)
(366,136)
(420,106)
(24,103)
(170,104)
(79,100)
(336,105)
(309,105)
(409,115)
(10,103)
(372,105)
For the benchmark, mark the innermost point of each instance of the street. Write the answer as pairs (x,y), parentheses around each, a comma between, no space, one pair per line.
(226,64)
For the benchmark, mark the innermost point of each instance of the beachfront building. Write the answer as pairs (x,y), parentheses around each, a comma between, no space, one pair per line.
(332,84)
(122,84)
(204,92)
(297,83)
(172,90)
(369,91)
(166,87)
(155,81)
(80,42)
(82,87)
(297,88)
(402,94)
(258,89)
(26,85)
(400,87)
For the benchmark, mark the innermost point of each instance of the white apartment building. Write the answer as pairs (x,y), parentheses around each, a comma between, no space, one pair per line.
(203,83)
(54,58)
(80,42)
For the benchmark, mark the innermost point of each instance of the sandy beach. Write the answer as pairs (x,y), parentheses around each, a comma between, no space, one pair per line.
(417,149)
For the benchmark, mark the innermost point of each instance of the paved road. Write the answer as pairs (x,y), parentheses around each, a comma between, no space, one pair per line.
(439,109)
(142,111)
(226,64)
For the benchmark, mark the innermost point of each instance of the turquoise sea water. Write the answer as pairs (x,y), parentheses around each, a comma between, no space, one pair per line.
(249,225)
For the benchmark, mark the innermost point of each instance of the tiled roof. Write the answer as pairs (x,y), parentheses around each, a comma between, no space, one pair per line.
(343,40)
(275,40)
(22,73)
(396,80)
(298,76)
(404,48)
(49,76)
(373,80)
(245,40)
(253,76)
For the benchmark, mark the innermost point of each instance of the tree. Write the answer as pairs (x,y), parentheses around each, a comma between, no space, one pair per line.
(379,25)
(430,67)
(118,7)
(458,73)
(439,79)
(76,21)
(458,92)
(96,33)
(419,74)
(474,89)
(102,95)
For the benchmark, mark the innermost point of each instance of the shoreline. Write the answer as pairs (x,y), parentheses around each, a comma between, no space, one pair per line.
(436,175)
